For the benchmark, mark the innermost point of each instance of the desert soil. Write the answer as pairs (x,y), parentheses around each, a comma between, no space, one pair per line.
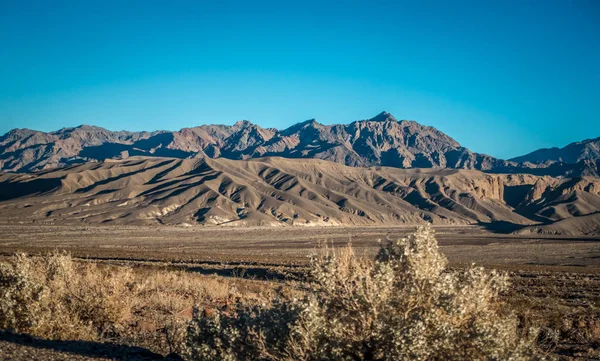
(291,245)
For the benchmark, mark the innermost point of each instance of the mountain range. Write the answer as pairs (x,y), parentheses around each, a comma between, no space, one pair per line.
(379,141)
(379,171)
(588,149)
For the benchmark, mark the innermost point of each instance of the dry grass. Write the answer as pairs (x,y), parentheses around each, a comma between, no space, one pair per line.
(56,297)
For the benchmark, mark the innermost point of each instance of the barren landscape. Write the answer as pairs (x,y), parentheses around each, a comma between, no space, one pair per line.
(188,240)
(270,246)
(299,180)
(298,192)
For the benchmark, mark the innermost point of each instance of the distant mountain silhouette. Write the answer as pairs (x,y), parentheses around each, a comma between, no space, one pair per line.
(573,153)
(379,141)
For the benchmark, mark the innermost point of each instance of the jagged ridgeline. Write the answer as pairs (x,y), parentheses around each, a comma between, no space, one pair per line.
(379,141)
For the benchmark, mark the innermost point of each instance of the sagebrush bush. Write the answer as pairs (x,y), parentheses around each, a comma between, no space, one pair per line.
(21,296)
(56,298)
(404,305)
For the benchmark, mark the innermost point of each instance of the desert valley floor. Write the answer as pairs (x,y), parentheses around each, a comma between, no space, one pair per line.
(290,245)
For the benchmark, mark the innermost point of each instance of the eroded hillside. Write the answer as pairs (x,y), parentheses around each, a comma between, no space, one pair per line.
(283,192)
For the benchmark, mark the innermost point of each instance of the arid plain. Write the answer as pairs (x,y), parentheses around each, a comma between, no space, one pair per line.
(293,245)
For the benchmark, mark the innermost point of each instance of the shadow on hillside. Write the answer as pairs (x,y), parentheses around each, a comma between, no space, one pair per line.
(155,146)
(12,190)
(502,226)
(86,348)
(514,195)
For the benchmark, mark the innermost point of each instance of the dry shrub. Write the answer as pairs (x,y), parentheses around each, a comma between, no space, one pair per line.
(163,302)
(57,298)
(405,305)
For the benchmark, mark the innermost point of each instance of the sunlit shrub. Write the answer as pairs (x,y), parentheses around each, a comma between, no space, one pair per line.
(56,298)
(404,305)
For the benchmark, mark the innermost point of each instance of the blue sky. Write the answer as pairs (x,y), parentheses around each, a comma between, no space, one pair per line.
(501,77)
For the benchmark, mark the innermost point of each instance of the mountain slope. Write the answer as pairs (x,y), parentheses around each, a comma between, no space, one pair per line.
(588,225)
(30,150)
(573,153)
(381,140)
(280,192)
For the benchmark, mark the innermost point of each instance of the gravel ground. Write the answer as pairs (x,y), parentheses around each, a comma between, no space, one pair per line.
(289,245)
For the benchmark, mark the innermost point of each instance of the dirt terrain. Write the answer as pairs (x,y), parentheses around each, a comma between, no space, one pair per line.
(290,245)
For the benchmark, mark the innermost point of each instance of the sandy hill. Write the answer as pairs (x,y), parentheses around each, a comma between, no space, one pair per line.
(280,192)
(379,141)
(588,225)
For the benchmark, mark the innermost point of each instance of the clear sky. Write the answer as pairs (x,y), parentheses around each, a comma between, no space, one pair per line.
(501,77)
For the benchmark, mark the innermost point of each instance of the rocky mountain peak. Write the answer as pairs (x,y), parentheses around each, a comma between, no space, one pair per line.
(383,117)
(243,124)
(19,132)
